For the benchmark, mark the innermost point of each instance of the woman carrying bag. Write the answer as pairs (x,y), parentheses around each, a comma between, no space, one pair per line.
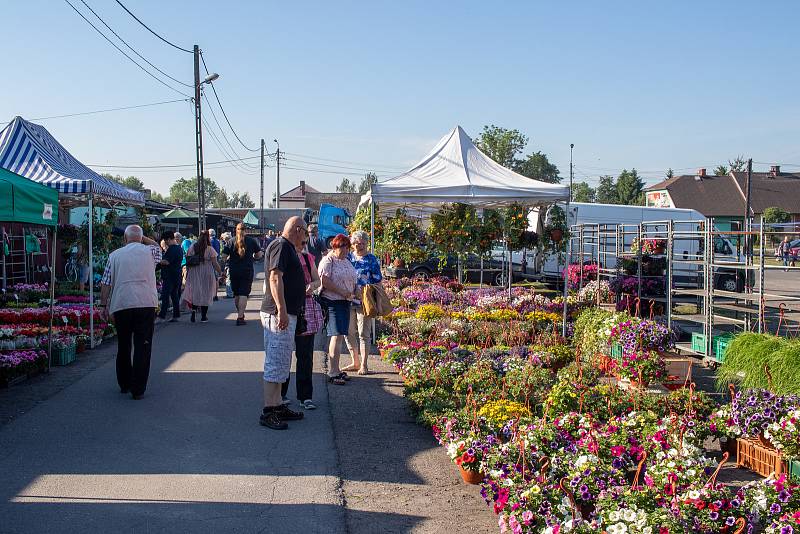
(304,340)
(202,272)
(359,334)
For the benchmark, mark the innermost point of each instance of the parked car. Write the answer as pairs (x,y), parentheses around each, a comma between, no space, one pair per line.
(492,273)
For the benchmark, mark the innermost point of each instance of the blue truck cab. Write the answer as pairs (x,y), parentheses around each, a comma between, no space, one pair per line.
(332,221)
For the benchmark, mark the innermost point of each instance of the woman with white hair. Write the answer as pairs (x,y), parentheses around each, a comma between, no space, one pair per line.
(359,335)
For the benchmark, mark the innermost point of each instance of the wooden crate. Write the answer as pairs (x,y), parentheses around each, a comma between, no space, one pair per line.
(751,455)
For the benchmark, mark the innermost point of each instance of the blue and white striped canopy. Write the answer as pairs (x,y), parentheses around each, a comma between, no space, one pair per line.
(29,150)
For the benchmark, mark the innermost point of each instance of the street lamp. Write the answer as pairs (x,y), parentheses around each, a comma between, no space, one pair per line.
(277,174)
(198,132)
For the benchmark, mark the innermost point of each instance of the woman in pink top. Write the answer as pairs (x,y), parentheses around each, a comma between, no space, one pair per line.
(338,278)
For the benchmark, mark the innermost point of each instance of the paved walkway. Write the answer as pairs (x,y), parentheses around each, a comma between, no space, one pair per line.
(77,456)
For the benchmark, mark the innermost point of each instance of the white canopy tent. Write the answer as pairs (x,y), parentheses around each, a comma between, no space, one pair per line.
(456,171)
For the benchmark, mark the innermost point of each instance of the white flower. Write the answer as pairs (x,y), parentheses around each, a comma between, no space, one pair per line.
(629,515)
(694,494)
(613,516)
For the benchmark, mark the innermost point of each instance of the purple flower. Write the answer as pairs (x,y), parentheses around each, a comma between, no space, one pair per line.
(713,516)
(730,521)
(775,508)
(784,496)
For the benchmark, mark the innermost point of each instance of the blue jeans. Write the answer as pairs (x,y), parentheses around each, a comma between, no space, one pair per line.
(170,291)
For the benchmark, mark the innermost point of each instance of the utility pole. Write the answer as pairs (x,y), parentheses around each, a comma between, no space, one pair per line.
(747,223)
(198,132)
(277,175)
(261,213)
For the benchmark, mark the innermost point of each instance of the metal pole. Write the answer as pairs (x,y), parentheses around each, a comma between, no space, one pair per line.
(52,294)
(91,267)
(198,132)
(261,205)
(278,177)
(567,259)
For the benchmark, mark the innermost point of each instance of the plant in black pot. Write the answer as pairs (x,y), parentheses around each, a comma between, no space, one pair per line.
(556,228)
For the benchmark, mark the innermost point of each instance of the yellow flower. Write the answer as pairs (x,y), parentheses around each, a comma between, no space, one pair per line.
(430,312)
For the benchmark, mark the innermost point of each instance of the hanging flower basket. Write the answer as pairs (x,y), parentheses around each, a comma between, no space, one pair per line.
(556,234)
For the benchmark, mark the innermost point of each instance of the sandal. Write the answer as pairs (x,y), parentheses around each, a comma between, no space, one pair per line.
(336,380)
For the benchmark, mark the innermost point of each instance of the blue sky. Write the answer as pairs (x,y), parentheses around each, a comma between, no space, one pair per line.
(632,84)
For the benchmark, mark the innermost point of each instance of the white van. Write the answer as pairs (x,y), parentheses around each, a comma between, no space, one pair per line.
(530,264)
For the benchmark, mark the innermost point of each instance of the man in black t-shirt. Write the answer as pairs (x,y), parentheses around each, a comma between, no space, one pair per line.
(283,302)
(171,276)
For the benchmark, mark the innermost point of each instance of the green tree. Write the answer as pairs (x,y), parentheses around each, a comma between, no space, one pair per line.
(606,192)
(131,182)
(368,179)
(346,186)
(185,190)
(721,170)
(538,167)
(581,192)
(158,197)
(670,173)
(502,144)
(240,200)
(630,188)
(739,164)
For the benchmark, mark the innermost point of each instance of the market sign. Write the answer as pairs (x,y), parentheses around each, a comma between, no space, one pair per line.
(658,199)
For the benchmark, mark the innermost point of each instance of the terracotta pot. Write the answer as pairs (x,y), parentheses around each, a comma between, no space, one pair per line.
(398,263)
(470,477)
(556,234)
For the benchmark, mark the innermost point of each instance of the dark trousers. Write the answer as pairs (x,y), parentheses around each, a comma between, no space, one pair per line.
(170,291)
(304,351)
(134,329)
(203,311)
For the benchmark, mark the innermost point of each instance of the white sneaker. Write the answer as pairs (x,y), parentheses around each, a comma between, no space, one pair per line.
(308,405)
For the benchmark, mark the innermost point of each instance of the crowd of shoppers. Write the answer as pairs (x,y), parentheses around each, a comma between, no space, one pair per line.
(302,296)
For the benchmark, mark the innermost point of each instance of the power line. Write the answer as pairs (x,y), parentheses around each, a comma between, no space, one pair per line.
(221,130)
(151,31)
(341,161)
(218,143)
(173,166)
(131,48)
(216,96)
(365,169)
(324,171)
(106,110)
(156,78)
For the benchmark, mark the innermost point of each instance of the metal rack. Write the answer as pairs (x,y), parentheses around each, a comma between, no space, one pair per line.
(702,269)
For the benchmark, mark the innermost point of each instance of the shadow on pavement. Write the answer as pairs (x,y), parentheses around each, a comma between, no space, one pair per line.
(160,516)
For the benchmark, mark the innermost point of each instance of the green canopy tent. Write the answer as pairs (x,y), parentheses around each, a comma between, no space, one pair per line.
(24,201)
(175,215)
(251,219)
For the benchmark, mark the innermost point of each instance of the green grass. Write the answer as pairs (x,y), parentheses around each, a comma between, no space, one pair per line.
(750,354)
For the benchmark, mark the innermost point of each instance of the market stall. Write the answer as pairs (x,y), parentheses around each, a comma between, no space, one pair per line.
(30,151)
(456,171)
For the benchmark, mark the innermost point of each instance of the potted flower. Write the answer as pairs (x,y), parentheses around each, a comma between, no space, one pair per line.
(641,367)
(785,434)
(769,500)
(754,410)
(556,226)
(722,425)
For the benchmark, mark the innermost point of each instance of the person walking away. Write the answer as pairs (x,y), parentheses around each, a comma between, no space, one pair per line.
(316,245)
(785,251)
(242,252)
(215,244)
(171,276)
(338,277)
(129,281)
(304,341)
(359,336)
(202,273)
(226,244)
(282,304)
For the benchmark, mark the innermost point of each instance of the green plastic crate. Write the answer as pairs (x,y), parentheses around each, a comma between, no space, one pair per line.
(616,350)
(720,346)
(794,470)
(63,356)
(699,342)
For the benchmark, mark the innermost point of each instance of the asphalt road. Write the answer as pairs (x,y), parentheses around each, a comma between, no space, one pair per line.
(191,456)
